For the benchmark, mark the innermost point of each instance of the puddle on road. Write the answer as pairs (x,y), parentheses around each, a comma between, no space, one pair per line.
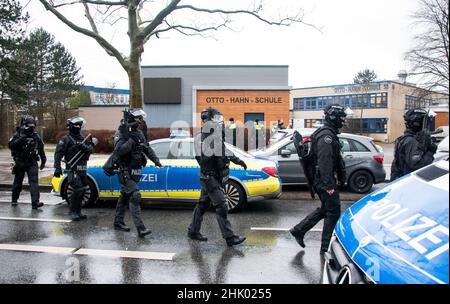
(268,238)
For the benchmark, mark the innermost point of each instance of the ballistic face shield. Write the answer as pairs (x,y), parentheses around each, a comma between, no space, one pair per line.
(335,115)
(76,125)
(136,117)
(28,124)
(415,118)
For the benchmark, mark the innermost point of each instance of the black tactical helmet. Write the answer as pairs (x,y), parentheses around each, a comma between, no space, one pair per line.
(211,114)
(135,116)
(75,125)
(414,119)
(335,115)
(28,124)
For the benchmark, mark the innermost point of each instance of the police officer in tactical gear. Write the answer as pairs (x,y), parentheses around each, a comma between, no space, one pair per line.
(329,171)
(26,148)
(214,172)
(74,149)
(414,149)
(132,148)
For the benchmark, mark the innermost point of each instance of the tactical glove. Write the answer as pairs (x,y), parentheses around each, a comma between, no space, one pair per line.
(58,172)
(432,148)
(42,165)
(243,164)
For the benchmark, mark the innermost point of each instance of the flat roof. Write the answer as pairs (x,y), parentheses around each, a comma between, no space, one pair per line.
(214,66)
(373,82)
(105,90)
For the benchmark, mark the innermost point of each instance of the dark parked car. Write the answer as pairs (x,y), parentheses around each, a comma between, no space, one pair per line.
(363,160)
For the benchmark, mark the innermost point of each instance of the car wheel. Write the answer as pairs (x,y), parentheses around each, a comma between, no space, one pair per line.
(90,195)
(235,196)
(360,181)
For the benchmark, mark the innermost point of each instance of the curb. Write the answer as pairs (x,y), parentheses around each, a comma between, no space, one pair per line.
(305,195)
(42,188)
(285,195)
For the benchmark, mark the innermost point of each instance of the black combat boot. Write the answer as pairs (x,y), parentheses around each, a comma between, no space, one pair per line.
(235,240)
(14,203)
(121,227)
(74,216)
(82,216)
(142,231)
(197,237)
(35,206)
(298,237)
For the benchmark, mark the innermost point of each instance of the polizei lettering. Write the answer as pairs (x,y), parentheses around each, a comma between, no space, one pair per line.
(423,234)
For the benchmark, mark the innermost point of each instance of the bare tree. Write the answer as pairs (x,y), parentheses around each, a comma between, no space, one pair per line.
(150,18)
(110,96)
(430,55)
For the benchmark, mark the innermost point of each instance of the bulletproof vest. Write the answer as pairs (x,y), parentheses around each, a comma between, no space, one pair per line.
(136,158)
(398,165)
(28,151)
(313,152)
(73,147)
(213,164)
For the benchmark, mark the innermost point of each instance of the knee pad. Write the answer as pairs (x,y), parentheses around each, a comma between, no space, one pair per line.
(136,197)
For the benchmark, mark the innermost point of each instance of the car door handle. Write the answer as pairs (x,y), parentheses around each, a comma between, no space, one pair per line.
(348,156)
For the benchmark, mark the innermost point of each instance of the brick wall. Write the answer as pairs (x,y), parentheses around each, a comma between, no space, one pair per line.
(235,103)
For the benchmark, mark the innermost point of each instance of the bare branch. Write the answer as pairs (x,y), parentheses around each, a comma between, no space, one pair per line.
(89,17)
(159,18)
(111,50)
(286,21)
(430,55)
(99,2)
(188,30)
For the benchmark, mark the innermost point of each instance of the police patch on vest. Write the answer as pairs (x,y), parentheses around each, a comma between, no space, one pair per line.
(328,139)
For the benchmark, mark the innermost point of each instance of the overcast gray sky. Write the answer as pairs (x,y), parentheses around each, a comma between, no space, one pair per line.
(355,34)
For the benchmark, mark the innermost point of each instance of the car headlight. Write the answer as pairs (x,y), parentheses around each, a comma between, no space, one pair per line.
(339,267)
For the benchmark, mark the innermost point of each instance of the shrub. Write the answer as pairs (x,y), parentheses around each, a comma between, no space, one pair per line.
(104,137)
(105,140)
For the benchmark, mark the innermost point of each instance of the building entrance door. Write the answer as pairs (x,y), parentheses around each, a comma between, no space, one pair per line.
(253,116)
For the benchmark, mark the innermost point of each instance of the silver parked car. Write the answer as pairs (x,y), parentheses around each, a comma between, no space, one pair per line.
(363,161)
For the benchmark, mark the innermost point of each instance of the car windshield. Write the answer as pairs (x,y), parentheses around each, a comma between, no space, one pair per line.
(184,149)
(239,152)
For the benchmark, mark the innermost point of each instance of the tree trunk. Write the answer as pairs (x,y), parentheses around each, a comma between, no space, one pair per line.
(3,122)
(134,76)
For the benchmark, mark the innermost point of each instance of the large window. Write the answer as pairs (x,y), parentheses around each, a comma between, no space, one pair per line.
(354,101)
(412,102)
(312,123)
(366,125)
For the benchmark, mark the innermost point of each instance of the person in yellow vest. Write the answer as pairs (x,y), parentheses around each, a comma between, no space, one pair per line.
(231,132)
(260,134)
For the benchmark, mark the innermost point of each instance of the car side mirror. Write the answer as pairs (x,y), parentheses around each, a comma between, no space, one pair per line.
(285,153)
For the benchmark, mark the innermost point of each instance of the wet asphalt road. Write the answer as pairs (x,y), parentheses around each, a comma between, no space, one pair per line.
(266,256)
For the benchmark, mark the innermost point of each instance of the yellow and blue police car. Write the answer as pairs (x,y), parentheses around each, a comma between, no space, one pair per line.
(179,180)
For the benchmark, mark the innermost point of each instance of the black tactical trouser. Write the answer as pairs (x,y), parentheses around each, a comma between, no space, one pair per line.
(31,169)
(78,180)
(212,192)
(330,210)
(129,195)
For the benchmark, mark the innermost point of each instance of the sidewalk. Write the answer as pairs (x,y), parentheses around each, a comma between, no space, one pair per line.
(6,162)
